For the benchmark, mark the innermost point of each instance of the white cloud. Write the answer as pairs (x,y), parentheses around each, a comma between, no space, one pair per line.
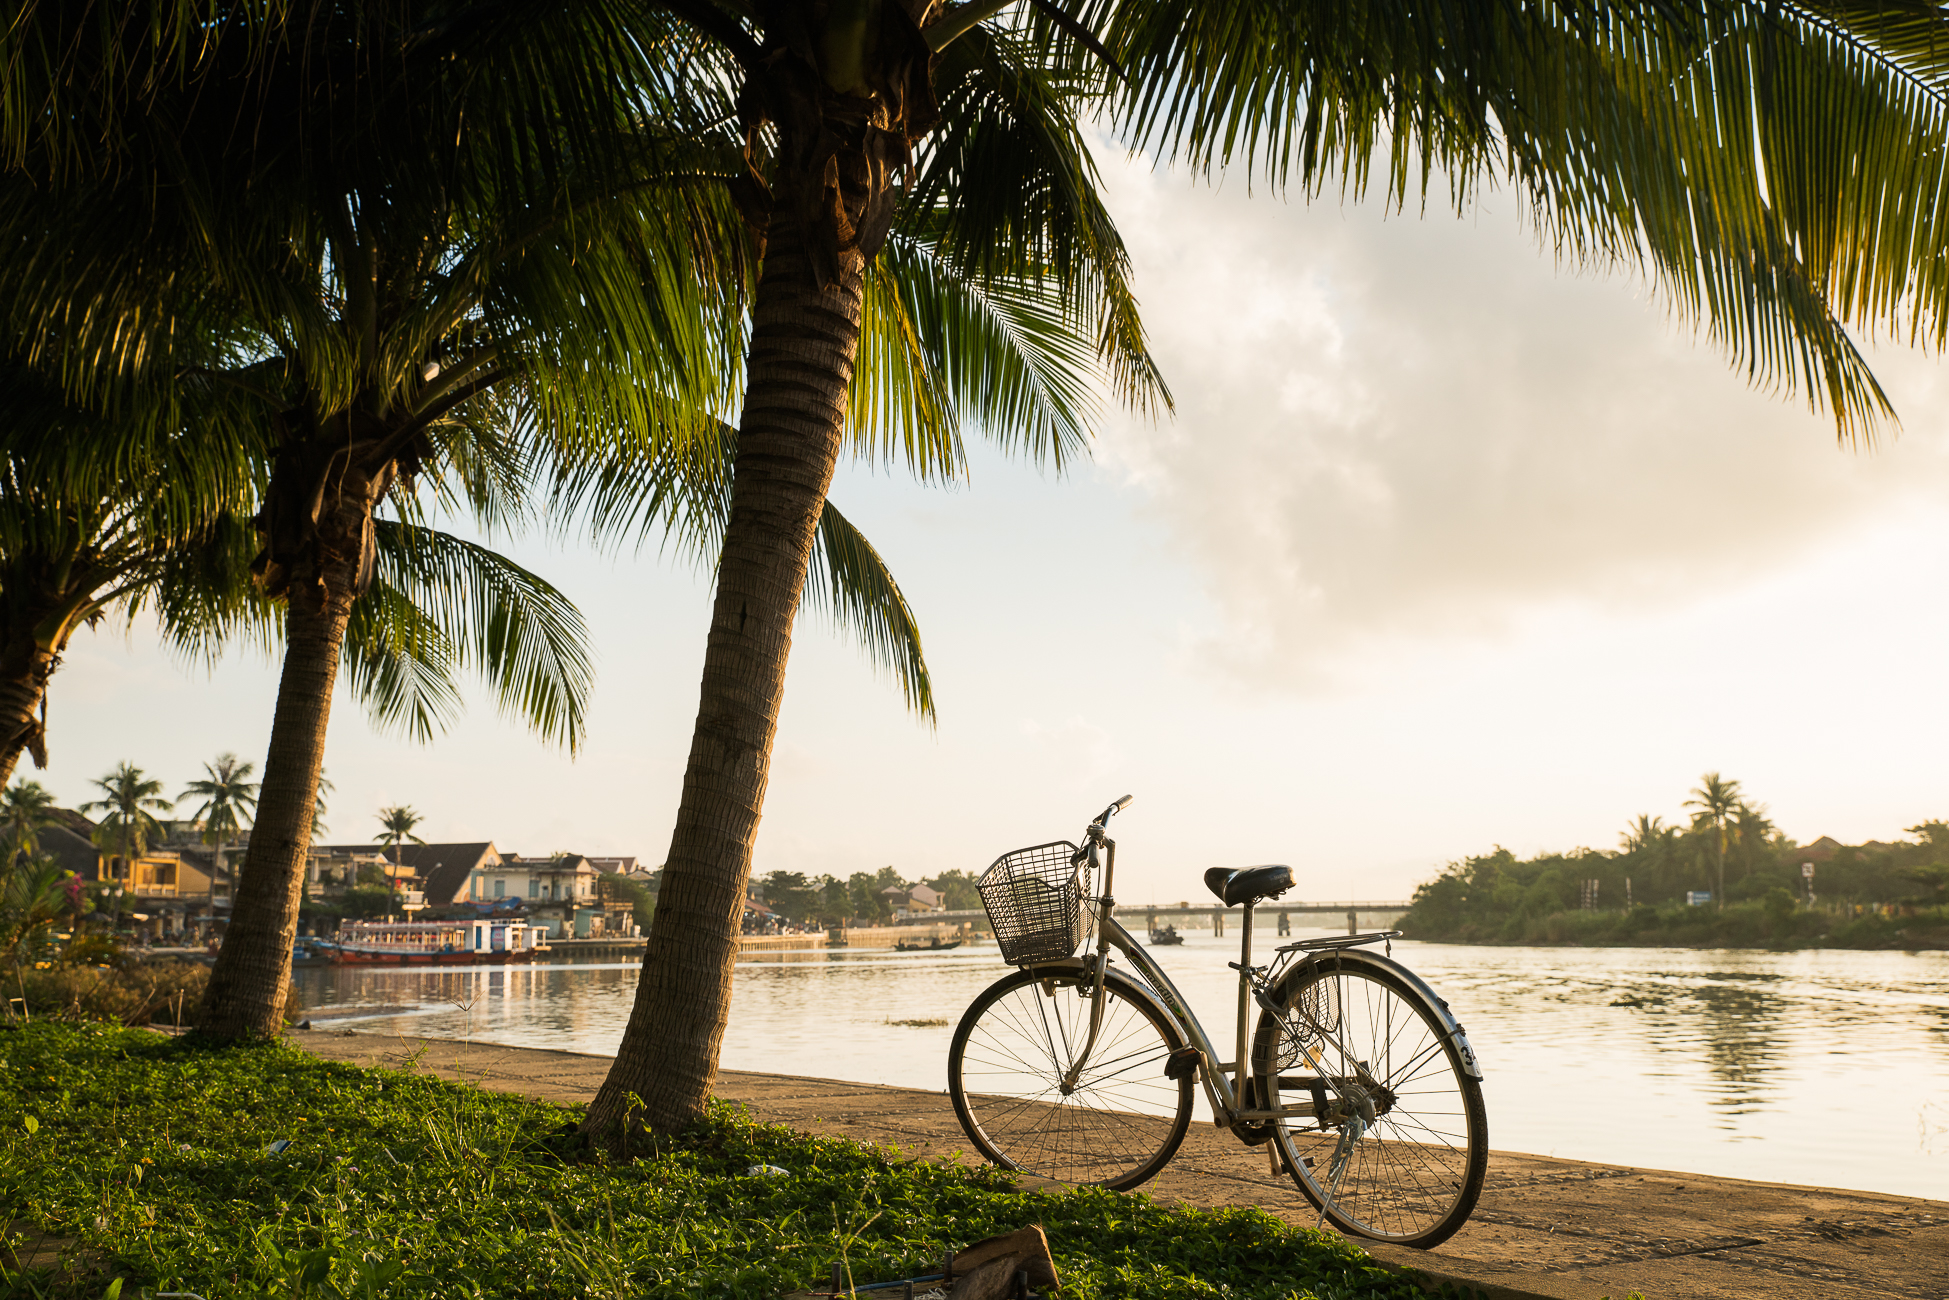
(1401,427)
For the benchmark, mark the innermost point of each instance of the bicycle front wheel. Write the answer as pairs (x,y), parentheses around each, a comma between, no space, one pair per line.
(1397,1145)
(1116,1126)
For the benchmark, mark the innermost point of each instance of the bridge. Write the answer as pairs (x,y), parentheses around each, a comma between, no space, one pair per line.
(1211,916)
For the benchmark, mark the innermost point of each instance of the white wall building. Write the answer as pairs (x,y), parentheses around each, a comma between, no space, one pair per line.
(564,878)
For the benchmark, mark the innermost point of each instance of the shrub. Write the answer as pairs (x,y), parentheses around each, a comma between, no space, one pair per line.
(132,994)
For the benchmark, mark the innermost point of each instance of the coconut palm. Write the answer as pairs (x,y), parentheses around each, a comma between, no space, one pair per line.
(398,823)
(228,796)
(129,798)
(151,529)
(25,807)
(325,788)
(1715,803)
(440,282)
(836,104)
(1646,833)
(1004,306)
(515,289)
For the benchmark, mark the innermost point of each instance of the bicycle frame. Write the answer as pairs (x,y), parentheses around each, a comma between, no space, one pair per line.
(1225,1091)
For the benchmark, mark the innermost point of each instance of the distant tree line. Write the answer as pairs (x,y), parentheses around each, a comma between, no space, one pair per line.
(861,897)
(1729,849)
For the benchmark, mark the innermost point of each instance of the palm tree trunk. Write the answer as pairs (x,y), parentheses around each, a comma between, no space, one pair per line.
(252,976)
(802,350)
(22,690)
(25,668)
(253,970)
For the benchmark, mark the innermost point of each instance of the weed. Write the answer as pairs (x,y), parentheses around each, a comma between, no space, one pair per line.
(158,1159)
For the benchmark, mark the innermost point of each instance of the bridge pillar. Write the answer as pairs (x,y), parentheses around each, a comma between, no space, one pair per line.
(1150,920)
(1217,925)
(1353,921)
(1285,923)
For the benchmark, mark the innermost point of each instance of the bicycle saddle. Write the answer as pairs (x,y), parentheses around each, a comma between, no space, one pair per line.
(1248,884)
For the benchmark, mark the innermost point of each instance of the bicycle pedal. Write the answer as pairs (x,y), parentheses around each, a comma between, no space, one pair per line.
(1183,1063)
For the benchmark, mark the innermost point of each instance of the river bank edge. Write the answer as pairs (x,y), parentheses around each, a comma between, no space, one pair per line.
(1546,1228)
(354,1159)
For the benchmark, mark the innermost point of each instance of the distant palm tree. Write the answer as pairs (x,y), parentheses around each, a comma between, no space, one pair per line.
(127,798)
(228,796)
(1715,802)
(325,788)
(1648,832)
(399,822)
(24,809)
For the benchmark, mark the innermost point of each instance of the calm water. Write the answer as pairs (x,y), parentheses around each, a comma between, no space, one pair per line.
(1828,1068)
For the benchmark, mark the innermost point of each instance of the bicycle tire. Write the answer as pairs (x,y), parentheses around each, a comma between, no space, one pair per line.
(1117,1128)
(1350,1029)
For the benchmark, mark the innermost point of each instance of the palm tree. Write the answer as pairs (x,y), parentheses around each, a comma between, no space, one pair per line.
(24,809)
(450,304)
(325,788)
(824,120)
(1646,832)
(398,823)
(228,796)
(152,528)
(442,280)
(128,797)
(835,104)
(1714,802)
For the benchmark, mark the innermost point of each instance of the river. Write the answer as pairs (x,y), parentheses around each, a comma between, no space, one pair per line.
(1826,1067)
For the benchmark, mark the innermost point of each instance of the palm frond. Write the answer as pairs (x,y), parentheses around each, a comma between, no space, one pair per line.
(683,500)
(1778,170)
(850,584)
(451,604)
(400,665)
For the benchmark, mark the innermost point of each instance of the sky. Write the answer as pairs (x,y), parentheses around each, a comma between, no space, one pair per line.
(1447,546)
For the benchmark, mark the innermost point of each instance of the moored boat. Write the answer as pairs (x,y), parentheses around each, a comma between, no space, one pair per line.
(1165,937)
(481,941)
(312,951)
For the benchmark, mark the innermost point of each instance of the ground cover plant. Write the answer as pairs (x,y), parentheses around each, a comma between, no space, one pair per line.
(159,1161)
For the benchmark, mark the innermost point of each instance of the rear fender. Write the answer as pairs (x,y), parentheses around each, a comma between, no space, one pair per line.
(1354,958)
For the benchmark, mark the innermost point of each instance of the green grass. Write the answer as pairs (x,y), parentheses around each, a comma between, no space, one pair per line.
(152,1157)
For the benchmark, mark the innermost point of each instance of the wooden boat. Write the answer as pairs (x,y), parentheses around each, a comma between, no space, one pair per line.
(1166,937)
(312,951)
(936,946)
(483,941)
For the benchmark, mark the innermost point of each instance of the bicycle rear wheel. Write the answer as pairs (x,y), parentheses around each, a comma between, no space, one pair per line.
(1399,1141)
(1120,1123)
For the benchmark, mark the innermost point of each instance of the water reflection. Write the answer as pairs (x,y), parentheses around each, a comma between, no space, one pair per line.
(1721,1062)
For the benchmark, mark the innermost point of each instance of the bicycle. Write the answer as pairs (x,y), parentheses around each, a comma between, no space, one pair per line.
(1361,1084)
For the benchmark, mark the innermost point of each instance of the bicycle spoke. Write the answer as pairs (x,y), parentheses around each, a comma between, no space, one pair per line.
(1412,1174)
(1119,1121)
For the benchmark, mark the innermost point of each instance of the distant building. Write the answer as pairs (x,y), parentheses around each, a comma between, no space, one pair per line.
(913,900)
(441,873)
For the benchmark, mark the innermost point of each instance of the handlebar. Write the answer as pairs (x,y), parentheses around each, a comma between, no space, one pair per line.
(1093,835)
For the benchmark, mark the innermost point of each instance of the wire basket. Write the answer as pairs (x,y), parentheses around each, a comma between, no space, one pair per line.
(1034,899)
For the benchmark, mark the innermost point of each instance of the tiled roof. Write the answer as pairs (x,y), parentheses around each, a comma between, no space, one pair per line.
(74,852)
(72,821)
(442,868)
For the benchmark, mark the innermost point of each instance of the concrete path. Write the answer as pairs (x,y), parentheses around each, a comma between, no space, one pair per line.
(1554,1228)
